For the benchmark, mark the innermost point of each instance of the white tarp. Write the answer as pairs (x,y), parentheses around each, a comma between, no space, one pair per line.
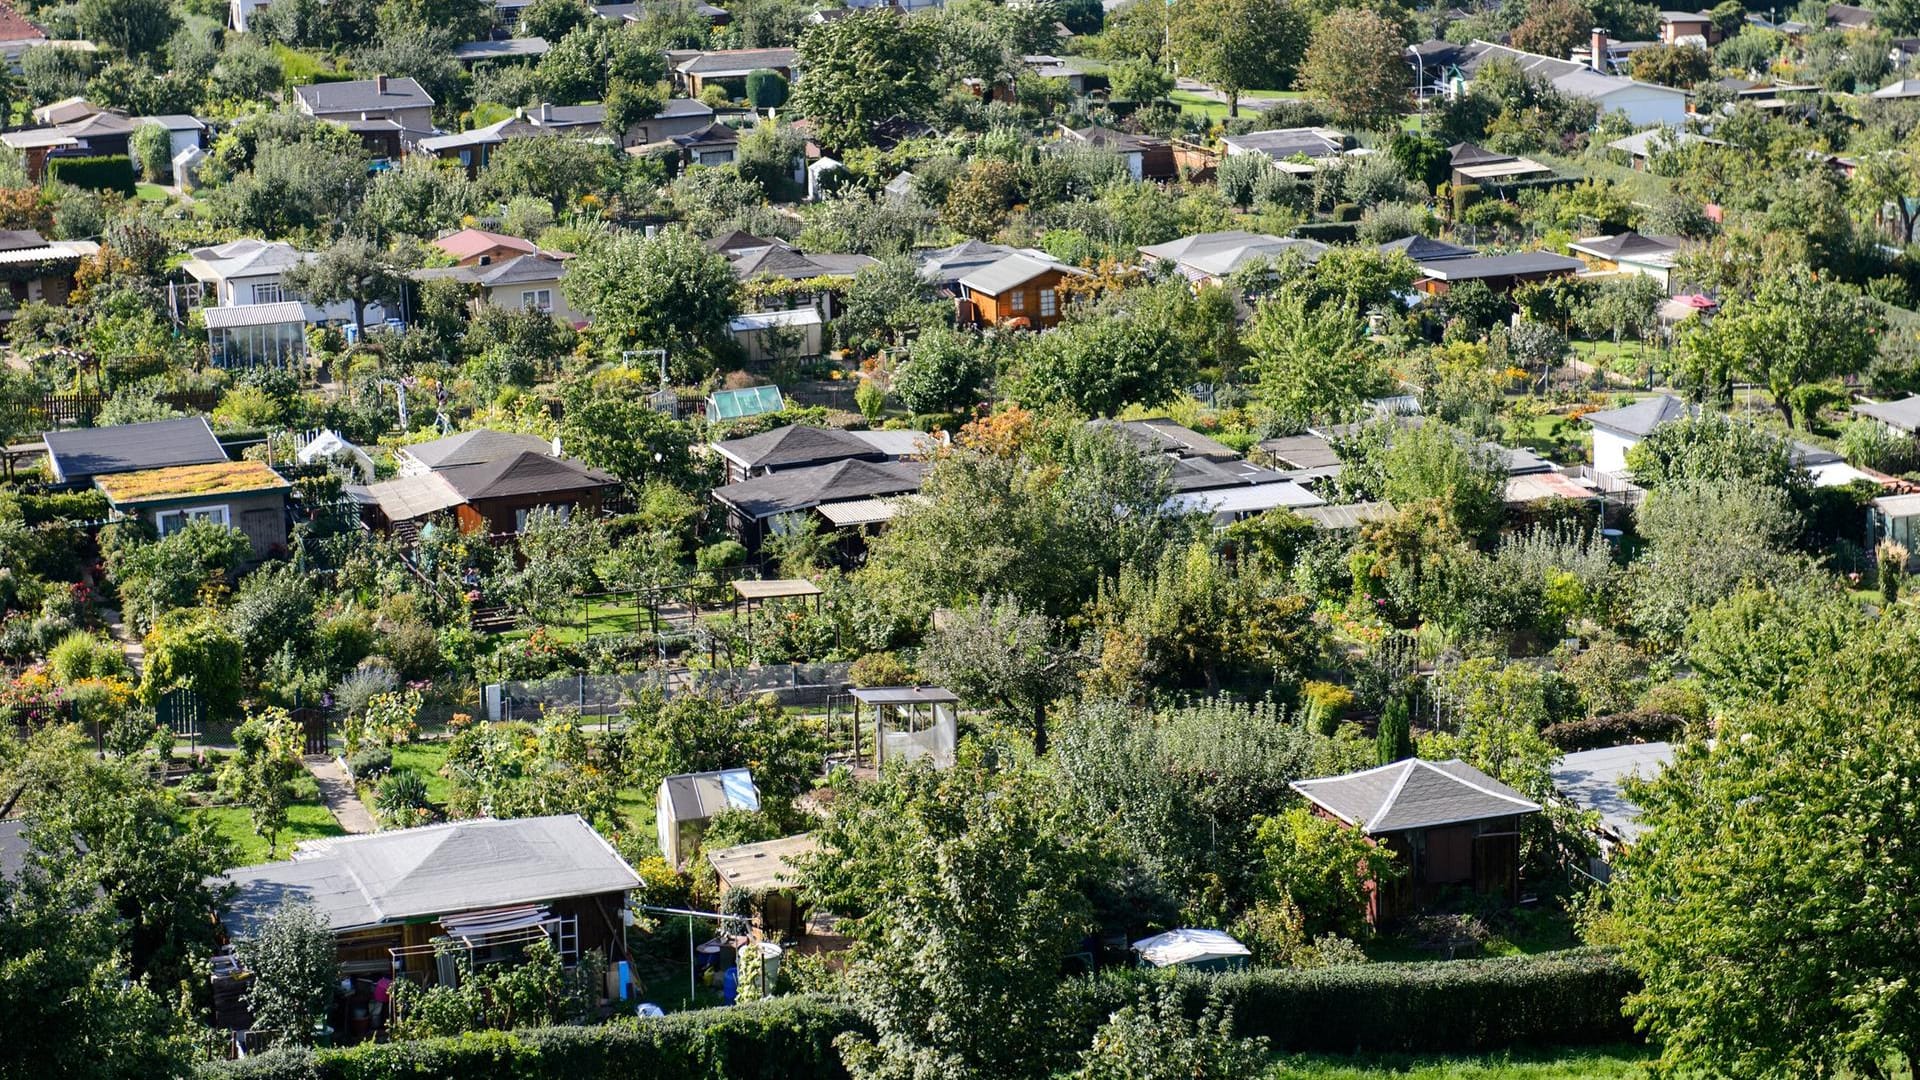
(1189,946)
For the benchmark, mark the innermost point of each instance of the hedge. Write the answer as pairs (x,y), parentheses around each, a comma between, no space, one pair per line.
(790,1037)
(1328,232)
(1615,729)
(113,172)
(1462,1006)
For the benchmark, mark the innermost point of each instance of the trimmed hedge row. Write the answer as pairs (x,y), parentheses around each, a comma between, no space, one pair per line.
(1615,729)
(1464,1006)
(789,1037)
(109,172)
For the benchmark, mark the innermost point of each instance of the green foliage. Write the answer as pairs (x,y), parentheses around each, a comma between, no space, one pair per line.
(1394,739)
(1153,1039)
(1326,868)
(1310,364)
(1136,346)
(1714,447)
(102,173)
(1615,729)
(864,68)
(81,655)
(152,146)
(1706,539)
(1356,63)
(610,425)
(291,958)
(1238,45)
(535,992)
(517,770)
(1796,328)
(665,291)
(767,89)
(194,649)
(261,770)
(702,732)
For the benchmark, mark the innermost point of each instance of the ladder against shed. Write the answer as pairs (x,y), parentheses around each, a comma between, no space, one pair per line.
(909,723)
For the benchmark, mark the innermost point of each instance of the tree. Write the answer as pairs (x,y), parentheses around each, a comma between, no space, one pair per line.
(454,20)
(274,609)
(517,770)
(703,732)
(1134,346)
(351,269)
(1771,878)
(767,89)
(1357,63)
(1139,80)
(192,649)
(1554,27)
(157,576)
(1715,447)
(664,291)
(1438,462)
(934,872)
(1326,868)
(1672,65)
(870,66)
(1887,184)
(629,105)
(944,371)
(1310,364)
(261,771)
(1624,303)
(558,168)
(291,957)
(553,19)
(997,652)
(135,27)
(1239,44)
(609,425)
(152,147)
(1795,329)
(1707,537)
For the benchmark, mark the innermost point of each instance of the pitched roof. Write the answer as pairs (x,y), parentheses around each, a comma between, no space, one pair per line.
(1567,76)
(529,472)
(1627,245)
(1414,794)
(88,452)
(1903,414)
(1904,88)
(240,258)
(804,488)
(780,261)
(793,445)
(1013,271)
(1493,266)
(1311,142)
(17,27)
(1641,417)
(1423,249)
(1592,780)
(475,447)
(738,241)
(1217,254)
(715,134)
(731,61)
(470,242)
(409,498)
(521,270)
(698,796)
(494,50)
(1466,153)
(363,95)
(1161,434)
(947,265)
(391,877)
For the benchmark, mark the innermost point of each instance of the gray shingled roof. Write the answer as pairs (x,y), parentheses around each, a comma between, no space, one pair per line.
(363,95)
(1495,266)
(529,472)
(1903,414)
(803,489)
(1422,249)
(1414,794)
(80,455)
(1641,417)
(1592,779)
(1012,272)
(795,445)
(742,61)
(391,877)
(474,448)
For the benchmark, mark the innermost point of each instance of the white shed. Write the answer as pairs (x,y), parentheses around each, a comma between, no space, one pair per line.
(770,335)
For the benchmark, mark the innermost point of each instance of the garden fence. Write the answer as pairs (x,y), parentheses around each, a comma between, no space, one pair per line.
(606,695)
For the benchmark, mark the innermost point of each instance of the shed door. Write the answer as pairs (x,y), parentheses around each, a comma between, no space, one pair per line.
(266,529)
(1449,855)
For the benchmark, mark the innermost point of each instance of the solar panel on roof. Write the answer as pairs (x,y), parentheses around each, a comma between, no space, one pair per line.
(747,401)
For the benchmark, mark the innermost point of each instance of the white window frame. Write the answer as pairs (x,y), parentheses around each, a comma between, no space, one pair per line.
(1018,304)
(166,522)
(272,292)
(537,300)
(1049,305)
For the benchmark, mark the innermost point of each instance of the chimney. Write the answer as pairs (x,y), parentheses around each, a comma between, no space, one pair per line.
(380,83)
(520,113)
(1597,51)
(546,111)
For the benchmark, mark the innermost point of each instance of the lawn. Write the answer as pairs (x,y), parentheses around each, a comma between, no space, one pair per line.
(425,758)
(150,193)
(1598,1063)
(307,819)
(1216,111)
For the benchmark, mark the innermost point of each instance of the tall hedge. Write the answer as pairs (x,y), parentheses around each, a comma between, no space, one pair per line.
(1464,1006)
(789,1037)
(113,172)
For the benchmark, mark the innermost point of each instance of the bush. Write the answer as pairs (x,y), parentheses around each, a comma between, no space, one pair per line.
(1458,1007)
(81,655)
(766,89)
(1638,726)
(789,1037)
(62,506)
(880,669)
(106,173)
(370,762)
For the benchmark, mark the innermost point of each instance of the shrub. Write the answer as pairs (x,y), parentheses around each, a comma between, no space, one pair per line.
(370,762)
(81,655)
(1616,729)
(766,89)
(105,173)
(880,669)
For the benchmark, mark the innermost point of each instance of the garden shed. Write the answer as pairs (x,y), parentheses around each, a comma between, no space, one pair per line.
(767,872)
(684,804)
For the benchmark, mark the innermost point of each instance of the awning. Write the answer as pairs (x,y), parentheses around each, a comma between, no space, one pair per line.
(846,515)
(244,315)
(481,924)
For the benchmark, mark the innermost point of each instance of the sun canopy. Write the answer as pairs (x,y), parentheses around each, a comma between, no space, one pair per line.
(1189,947)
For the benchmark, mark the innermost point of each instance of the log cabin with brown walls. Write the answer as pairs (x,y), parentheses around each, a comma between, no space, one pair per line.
(1018,290)
(1450,825)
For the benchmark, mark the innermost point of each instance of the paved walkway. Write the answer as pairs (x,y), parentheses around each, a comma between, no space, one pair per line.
(130,646)
(336,790)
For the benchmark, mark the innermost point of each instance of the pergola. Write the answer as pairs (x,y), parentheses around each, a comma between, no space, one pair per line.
(909,723)
(755,591)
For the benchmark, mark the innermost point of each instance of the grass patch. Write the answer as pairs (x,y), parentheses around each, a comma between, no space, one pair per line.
(425,758)
(1216,111)
(152,193)
(299,68)
(307,819)
(1596,1063)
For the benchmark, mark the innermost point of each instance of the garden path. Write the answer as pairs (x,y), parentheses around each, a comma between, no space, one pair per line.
(336,790)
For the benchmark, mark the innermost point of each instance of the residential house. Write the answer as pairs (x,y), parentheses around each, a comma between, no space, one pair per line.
(1594,781)
(488,480)
(77,456)
(520,283)
(803,446)
(694,71)
(474,148)
(17,35)
(252,317)
(400,101)
(1631,253)
(1211,258)
(419,903)
(1478,166)
(1146,157)
(184,133)
(768,504)
(677,116)
(473,53)
(1451,825)
(1501,273)
(1642,103)
(1295,150)
(245,495)
(35,269)
(1017,290)
(684,804)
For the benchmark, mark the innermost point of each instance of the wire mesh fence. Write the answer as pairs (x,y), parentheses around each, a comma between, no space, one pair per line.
(605,696)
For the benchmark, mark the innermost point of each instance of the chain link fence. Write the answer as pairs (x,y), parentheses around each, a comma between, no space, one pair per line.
(606,695)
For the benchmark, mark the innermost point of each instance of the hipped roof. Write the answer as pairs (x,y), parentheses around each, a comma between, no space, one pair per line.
(1414,794)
